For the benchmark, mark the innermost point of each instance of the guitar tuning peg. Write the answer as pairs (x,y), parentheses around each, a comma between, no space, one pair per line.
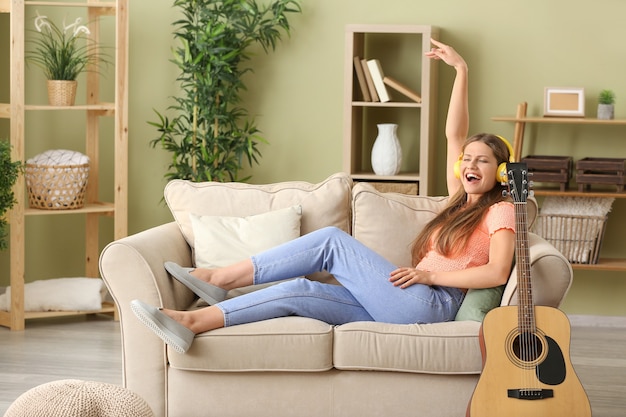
(505,193)
(531,184)
(531,193)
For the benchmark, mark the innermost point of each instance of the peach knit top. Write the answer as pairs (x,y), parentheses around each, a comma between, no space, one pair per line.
(499,216)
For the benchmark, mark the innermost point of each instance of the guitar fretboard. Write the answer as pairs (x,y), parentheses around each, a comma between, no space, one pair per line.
(526,314)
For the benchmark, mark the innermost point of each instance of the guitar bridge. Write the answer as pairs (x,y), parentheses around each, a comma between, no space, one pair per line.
(530,394)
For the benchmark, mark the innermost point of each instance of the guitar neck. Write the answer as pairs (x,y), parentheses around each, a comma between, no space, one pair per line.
(517,178)
(522,259)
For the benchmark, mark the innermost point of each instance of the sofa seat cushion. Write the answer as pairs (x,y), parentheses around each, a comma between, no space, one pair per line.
(439,348)
(284,344)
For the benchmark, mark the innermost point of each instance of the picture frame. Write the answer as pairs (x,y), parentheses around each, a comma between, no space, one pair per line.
(564,102)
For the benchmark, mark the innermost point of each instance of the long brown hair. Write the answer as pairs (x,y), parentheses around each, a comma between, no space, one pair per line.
(451,229)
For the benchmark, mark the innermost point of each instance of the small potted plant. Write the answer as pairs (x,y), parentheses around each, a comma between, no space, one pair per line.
(9,170)
(62,53)
(606,102)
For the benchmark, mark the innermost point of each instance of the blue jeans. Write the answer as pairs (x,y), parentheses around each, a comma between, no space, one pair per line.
(365,294)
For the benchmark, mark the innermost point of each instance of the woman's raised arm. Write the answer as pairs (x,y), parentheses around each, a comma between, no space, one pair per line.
(457,120)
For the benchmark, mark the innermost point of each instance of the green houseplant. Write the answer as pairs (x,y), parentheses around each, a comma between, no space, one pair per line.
(63,53)
(9,170)
(211,134)
(606,105)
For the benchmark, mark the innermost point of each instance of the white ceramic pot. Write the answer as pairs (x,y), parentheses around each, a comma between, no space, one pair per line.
(605,111)
(386,152)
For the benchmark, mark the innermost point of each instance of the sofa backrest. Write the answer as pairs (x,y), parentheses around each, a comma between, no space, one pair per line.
(389,222)
(323,204)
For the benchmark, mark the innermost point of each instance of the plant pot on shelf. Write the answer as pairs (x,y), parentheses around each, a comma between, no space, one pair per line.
(62,92)
(606,111)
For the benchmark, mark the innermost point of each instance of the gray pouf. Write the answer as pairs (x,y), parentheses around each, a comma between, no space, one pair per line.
(76,398)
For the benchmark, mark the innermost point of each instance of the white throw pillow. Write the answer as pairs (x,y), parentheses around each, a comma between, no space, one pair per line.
(223,240)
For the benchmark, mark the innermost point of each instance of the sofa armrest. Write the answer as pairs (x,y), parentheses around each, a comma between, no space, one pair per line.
(132,268)
(550,271)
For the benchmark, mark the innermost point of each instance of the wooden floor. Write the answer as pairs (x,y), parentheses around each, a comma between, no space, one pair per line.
(79,347)
(88,348)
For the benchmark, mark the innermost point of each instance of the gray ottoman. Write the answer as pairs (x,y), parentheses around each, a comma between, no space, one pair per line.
(76,398)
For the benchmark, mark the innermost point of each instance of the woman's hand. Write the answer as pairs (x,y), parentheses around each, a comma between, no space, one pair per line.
(447,54)
(406,276)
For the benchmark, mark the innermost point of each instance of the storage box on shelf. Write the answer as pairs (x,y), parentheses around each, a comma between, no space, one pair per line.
(94,108)
(605,171)
(520,121)
(399,49)
(547,168)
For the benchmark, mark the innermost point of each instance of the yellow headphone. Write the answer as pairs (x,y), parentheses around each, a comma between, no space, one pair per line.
(500,172)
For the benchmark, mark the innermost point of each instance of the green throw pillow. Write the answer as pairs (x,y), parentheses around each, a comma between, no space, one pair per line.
(479,302)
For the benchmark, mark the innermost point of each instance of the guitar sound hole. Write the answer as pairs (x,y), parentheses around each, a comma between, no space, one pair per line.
(527,347)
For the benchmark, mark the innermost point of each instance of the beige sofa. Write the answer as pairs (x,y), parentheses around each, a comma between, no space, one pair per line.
(295,366)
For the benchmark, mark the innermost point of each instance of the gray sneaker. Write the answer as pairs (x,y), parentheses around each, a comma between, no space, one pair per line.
(208,292)
(169,330)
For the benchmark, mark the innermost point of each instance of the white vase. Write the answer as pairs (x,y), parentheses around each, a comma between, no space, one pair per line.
(386,152)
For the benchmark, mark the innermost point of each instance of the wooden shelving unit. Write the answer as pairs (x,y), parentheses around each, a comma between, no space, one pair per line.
(396,46)
(520,121)
(93,110)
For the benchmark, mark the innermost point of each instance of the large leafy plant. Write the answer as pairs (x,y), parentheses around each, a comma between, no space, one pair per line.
(9,170)
(211,133)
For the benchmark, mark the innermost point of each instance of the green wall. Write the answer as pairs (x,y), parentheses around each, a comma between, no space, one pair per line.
(514,50)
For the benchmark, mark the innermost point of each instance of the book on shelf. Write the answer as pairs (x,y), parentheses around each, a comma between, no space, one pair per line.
(376,71)
(360,76)
(401,88)
(369,81)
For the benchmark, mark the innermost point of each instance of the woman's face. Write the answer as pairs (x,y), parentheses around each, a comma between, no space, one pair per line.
(478,170)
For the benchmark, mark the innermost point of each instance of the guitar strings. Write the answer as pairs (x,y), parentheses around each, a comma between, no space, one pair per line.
(529,348)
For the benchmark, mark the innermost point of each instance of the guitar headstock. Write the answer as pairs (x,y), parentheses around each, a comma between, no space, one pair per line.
(517,180)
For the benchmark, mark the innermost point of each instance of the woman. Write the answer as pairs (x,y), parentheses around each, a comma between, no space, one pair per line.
(469,245)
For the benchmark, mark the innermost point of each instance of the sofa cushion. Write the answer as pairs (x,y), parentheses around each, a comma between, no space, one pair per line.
(440,348)
(478,302)
(281,345)
(323,204)
(223,240)
(389,222)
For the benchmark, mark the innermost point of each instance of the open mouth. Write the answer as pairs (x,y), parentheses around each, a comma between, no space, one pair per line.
(470,177)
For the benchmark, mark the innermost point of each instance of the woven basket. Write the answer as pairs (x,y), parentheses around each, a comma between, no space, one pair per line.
(61,92)
(577,237)
(60,187)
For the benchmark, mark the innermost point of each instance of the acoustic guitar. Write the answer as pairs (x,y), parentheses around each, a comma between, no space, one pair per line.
(527,370)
